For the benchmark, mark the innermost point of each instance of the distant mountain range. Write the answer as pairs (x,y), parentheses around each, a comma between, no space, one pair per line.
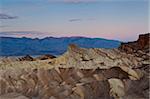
(10,46)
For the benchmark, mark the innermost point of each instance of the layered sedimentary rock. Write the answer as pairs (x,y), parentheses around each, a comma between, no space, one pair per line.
(81,74)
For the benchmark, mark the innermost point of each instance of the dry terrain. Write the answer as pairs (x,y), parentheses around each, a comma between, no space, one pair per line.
(80,73)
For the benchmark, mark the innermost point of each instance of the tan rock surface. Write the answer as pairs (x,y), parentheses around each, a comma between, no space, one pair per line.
(13,96)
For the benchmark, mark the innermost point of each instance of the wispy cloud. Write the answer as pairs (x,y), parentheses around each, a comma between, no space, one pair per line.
(18,32)
(6,16)
(3,26)
(73,20)
(30,34)
(78,19)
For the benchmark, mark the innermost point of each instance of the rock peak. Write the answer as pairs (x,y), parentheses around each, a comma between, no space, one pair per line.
(141,44)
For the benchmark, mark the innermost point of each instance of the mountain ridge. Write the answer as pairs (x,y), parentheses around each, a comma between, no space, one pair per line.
(12,46)
(59,37)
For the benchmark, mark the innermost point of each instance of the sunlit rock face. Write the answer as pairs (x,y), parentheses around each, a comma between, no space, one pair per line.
(80,73)
(94,58)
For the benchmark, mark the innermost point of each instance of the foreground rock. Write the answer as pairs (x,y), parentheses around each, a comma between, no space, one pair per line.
(64,83)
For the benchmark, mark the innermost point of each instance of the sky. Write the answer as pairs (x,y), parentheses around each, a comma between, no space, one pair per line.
(111,19)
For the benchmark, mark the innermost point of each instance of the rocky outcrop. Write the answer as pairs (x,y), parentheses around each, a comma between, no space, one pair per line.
(93,58)
(141,44)
(26,58)
(45,57)
(42,57)
(140,49)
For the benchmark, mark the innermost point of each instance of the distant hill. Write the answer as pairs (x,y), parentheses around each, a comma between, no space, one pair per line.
(10,46)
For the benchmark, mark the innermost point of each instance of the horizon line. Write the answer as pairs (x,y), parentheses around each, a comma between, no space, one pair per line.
(33,38)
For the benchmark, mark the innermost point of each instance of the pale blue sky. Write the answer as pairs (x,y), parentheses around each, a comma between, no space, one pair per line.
(112,19)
